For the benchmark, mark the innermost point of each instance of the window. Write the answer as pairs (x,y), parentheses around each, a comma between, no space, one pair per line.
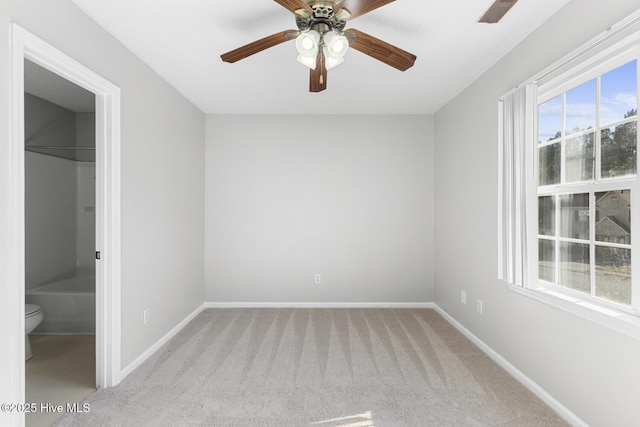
(569,190)
(587,177)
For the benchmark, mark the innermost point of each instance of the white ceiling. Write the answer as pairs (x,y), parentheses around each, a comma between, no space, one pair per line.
(182,41)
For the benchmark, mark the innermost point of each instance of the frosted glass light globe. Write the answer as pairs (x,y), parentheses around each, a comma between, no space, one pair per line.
(307,42)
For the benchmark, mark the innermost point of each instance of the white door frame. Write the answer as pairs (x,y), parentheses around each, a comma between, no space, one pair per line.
(27,46)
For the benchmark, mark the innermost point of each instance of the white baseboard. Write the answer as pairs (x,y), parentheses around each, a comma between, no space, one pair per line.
(162,341)
(318,305)
(531,385)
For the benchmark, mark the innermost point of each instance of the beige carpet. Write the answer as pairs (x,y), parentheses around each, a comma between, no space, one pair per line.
(322,367)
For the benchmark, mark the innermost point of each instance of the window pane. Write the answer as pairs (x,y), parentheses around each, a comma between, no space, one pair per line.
(618,96)
(613,274)
(550,119)
(613,216)
(547,215)
(619,145)
(574,216)
(546,260)
(580,112)
(574,266)
(579,158)
(549,164)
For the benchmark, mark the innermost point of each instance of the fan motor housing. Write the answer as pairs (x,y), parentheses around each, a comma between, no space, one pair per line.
(322,10)
(322,15)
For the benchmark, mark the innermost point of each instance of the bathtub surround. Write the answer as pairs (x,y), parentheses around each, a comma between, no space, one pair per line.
(60,242)
(60,221)
(69,304)
(60,193)
(50,218)
(301,367)
(86,216)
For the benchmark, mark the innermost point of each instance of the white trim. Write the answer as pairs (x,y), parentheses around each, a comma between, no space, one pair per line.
(590,69)
(598,313)
(613,48)
(318,305)
(531,385)
(27,46)
(543,395)
(16,237)
(601,44)
(596,66)
(162,341)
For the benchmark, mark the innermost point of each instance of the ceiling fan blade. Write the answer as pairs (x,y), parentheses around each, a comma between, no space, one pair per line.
(318,77)
(259,46)
(382,51)
(360,7)
(293,5)
(496,11)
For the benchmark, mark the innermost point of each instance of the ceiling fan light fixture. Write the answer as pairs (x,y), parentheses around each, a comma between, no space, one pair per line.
(307,61)
(335,44)
(307,43)
(331,62)
(321,39)
(335,47)
(338,46)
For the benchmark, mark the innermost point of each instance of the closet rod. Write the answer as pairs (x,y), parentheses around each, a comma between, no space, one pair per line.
(27,147)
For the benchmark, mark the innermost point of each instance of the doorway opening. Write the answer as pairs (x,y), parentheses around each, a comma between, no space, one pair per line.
(60,262)
(26,46)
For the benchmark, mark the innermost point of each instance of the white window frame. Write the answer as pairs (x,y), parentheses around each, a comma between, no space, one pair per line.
(597,184)
(617,46)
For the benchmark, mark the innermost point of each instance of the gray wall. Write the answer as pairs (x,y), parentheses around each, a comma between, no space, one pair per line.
(162,176)
(590,369)
(283,204)
(347,197)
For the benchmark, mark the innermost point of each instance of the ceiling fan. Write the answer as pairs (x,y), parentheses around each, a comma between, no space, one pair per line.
(322,41)
(496,11)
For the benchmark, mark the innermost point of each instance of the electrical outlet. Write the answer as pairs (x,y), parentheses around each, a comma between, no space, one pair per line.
(318,278)
(145,315)
(479,306)
(463,297)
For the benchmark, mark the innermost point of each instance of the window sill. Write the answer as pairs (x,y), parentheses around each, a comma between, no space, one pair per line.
(623,323)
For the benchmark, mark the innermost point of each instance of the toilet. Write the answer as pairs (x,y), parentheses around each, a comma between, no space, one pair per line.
(32,318)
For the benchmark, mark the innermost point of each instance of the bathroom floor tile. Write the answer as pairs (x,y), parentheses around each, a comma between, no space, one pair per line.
(61,371)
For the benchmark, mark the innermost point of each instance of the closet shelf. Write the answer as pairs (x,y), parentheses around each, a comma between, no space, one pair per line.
(59,147)
(70,152)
